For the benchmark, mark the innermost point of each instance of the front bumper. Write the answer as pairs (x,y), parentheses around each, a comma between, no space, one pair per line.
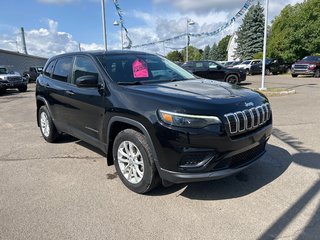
(225,156)
(307,72)
(8,85)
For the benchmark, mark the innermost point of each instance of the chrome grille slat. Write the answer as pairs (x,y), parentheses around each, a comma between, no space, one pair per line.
(248,119)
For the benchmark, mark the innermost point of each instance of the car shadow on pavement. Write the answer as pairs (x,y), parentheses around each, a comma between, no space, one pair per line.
(310,159)
(265,170)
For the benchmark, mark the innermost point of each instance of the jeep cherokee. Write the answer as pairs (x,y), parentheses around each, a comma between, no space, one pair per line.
(154,120)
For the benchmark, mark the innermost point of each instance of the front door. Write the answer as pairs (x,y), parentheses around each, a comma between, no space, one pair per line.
(86,104)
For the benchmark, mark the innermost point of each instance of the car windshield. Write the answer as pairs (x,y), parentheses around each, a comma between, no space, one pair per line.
(3,71)
(312,59)
(246,62)
(141,68)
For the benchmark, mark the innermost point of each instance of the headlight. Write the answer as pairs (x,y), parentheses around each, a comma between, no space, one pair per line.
(312,66)
(187,120)
(292,66)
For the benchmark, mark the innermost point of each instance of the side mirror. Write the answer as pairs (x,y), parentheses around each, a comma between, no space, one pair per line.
(87,81)
(219,67)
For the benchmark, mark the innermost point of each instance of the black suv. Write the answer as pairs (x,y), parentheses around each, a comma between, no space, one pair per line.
(153,119)
(215,71)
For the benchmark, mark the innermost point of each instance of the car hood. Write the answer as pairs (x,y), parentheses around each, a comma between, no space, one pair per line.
(198,90)
(6,76)
(306,62)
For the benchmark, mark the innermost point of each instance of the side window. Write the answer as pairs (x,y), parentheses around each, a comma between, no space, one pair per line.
(49,68)
(84,66)
(62,69)
(212,65)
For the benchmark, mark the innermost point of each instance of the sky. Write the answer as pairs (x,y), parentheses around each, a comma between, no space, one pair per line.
(58,26)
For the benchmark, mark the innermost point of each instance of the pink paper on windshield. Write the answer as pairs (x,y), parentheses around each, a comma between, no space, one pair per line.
(140,69)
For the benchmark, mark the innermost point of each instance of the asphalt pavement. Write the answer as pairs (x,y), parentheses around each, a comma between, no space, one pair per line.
(66,190)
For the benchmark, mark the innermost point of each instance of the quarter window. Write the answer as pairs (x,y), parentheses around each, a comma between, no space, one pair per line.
(62,70)
(83,66)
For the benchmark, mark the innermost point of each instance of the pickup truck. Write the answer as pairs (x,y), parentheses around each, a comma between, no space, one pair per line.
(33,73)
(273,66)
(309,65)
(11,79)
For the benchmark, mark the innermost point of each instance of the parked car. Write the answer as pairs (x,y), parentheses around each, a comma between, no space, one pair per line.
(33,73)
(232,63)
(246,65)
(10,80)
(154,120)
(215,71)
(309,65)
(273,66)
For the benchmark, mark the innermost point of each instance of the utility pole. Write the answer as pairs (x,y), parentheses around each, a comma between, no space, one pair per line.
(264,45)
(104,25)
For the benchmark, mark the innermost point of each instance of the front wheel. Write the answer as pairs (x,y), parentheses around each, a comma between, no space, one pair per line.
(268,72)
(232,78)
(23,88)
(317,73)
(134,161)
(48,130)
(294,75)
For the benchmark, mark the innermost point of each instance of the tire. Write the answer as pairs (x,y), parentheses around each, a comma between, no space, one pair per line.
(23,88)
(294,75)
(232,78)
(3,91)
(268,72)
(317,73)
(137,173)
(247,71)
(47,127)
(274,73)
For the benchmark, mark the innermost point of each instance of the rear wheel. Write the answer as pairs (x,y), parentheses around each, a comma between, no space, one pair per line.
(232,78)
(134,161)
(294,75)
(48,130)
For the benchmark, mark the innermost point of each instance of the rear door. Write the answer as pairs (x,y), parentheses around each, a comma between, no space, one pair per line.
(201,69)
(56,90)
(85,104)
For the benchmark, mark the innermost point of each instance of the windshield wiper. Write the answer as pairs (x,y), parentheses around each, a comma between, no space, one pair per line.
(130,83)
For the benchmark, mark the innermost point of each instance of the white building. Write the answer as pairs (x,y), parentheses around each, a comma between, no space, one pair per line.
(232,45)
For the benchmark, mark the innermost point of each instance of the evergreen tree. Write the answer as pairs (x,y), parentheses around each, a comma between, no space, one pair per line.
(214,53)
(206,53)
(250,34)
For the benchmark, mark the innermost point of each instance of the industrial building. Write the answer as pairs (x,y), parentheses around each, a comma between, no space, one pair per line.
(19,62)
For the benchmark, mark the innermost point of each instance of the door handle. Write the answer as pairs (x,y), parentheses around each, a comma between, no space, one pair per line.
(69,92)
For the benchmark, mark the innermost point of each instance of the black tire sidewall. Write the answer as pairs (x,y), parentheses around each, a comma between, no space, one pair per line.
(230,76)
(23,88)
(149,169)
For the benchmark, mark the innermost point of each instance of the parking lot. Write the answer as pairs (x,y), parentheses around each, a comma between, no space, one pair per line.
(67,191)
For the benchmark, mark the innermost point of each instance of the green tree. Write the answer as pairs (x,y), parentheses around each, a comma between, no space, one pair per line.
(214,53)
(295,33)
(194,54)
(175,56)
(223,48)
(206,53)
(250,33)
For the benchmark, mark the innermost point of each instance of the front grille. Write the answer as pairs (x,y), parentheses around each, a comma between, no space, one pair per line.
(14,79)
(241,159)
(301,66)
(248,119)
